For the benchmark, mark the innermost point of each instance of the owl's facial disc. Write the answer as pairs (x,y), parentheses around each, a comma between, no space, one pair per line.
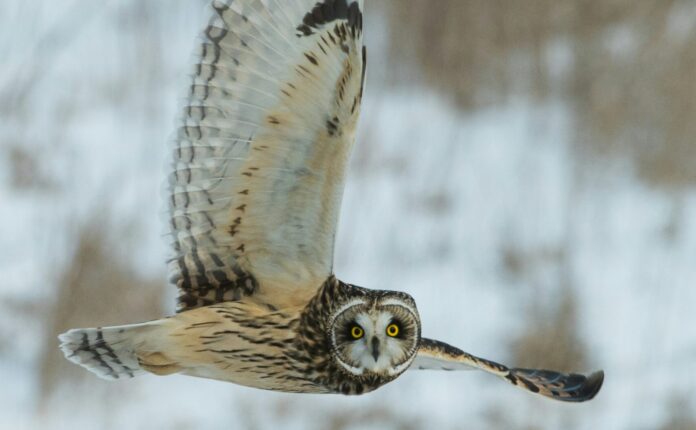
(379,337)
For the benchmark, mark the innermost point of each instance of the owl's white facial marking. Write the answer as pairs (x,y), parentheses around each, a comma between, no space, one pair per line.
(378,338)
(376,351)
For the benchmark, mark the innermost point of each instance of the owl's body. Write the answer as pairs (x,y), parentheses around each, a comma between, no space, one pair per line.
(258,167)
(249,343)
(240,342)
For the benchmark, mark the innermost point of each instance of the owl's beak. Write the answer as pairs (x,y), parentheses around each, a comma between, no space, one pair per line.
(375,348)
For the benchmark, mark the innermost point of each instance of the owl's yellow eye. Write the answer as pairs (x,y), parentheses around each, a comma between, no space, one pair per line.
(393,330)
(357,332)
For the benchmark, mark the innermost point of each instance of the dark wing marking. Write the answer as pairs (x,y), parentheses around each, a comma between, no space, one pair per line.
(261,150)
(567,387)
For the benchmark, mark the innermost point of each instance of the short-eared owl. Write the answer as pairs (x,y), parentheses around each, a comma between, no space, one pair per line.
(255,188)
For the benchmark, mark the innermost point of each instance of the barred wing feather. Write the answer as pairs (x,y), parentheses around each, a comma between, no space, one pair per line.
(261,151)
(566,387)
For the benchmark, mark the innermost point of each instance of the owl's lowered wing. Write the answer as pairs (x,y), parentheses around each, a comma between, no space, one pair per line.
(261,151)
(568,387)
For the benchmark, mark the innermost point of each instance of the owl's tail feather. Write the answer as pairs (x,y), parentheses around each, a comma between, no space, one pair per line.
(108,352)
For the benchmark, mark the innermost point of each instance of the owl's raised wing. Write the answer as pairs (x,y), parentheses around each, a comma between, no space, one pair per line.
(261,151)
(568,387)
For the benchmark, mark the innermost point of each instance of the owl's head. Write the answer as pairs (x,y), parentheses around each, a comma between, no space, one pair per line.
(377,334)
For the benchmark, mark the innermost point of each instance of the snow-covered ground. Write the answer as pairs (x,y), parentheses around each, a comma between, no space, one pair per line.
(435,199)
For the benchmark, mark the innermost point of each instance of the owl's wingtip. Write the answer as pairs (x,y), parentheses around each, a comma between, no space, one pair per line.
(566,387)
(592,385)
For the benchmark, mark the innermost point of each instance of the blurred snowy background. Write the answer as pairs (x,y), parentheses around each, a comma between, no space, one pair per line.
(526,170)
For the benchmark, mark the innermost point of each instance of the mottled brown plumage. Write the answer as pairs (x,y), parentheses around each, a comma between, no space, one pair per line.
(258,166)
(260,346)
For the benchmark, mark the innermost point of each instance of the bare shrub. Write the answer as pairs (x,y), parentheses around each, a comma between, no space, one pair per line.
(96,288)
(551,338)
(681,416)
(383,417)
(25,170)
(630,78)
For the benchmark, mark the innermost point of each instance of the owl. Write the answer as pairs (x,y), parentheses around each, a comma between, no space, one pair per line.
(257,173)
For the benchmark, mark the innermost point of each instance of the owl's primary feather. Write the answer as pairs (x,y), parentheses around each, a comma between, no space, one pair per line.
(258,166)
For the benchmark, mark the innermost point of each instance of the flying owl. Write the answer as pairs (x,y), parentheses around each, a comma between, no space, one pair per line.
(255,187)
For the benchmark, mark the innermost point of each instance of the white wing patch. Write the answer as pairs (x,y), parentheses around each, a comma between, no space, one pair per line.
(261,152)
(433,362)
